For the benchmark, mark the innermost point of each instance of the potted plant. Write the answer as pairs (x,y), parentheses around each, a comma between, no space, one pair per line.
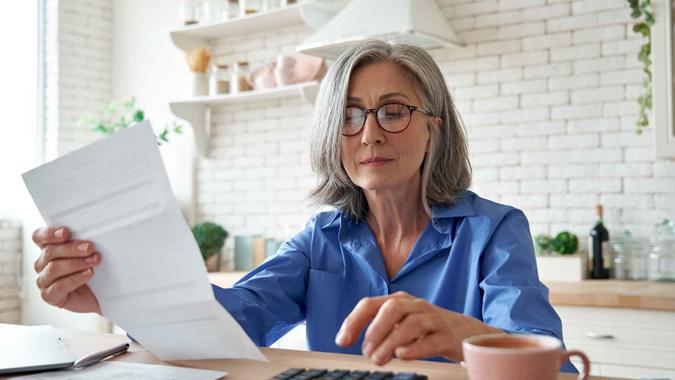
(557,259)
(116,117)
(210,238)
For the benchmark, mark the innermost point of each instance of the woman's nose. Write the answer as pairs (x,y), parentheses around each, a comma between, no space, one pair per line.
(372,133)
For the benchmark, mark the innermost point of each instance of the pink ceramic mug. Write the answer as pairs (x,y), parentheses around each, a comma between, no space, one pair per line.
(522,357)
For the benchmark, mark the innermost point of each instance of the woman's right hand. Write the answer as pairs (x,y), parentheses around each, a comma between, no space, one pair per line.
(63,269)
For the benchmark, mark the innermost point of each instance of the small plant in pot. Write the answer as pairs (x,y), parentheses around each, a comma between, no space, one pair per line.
(565,243)
(118,116)
(210,238)
(557,259)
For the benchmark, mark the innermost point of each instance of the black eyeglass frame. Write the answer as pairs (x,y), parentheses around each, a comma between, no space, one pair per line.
(374,111)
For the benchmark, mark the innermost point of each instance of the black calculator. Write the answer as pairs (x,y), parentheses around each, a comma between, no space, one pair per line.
(343,374)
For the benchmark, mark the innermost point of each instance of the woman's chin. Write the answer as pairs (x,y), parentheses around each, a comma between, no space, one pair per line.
(379,185)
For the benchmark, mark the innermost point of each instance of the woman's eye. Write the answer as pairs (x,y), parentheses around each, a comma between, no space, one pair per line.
(393,114)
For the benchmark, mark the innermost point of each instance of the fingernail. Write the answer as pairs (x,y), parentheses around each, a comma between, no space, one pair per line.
(341,338)
(367,349)
(86,272)
(83,247)
(91,259)
(381,359)
(58,233)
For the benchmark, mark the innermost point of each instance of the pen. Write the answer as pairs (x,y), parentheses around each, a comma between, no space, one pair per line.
(96,357)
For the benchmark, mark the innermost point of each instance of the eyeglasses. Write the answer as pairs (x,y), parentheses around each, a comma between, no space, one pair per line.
(391,117)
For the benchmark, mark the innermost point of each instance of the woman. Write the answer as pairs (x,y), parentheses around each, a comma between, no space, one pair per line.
(409,263)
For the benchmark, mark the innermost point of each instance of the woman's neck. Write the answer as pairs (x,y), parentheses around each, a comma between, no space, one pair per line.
(397,214)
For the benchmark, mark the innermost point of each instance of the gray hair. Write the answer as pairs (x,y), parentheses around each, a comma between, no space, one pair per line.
(446,171)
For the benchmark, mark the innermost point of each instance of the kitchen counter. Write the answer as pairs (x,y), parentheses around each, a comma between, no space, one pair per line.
(614,293)
(589,293)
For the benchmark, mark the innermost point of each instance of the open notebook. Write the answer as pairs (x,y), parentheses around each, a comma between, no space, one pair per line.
(32,348)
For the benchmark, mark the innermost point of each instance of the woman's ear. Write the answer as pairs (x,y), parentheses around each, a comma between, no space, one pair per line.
(438,122)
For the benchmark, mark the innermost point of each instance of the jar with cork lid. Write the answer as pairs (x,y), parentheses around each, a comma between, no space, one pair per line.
(219,80)
(239,82)
(249,7)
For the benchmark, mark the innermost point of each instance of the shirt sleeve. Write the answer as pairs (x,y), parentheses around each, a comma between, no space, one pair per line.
(271,300)
(514,299)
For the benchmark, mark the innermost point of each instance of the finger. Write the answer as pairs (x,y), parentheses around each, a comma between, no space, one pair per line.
(413,327)
(363,312)
(393,311)
(70,249)
(50,235)
(358,319)
(60,268)
(57,294)
(434,344)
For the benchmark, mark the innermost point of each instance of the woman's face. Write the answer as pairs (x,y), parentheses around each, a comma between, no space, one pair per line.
(373,158)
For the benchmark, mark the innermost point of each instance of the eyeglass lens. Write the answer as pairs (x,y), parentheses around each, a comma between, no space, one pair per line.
(391,117)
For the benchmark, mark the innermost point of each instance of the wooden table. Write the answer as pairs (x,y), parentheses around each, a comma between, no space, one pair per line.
(280,360)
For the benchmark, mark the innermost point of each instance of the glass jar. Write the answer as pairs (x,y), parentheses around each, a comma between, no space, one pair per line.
(219,81)
(273,4)
(204,11)
(188,14)
(217,10)
(662,255)
(247,7)
(239,82)
(230,10)
(631,257)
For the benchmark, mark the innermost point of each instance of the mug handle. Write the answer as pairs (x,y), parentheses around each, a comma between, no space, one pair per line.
(587,363)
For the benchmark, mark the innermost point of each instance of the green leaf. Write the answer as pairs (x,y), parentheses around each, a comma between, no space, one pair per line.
(649,19)
(163,135)
(100,127)
(139,116)
(210,238)
(641,28)
(566,243)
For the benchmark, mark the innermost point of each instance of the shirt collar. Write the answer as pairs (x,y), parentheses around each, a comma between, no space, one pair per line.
(463,207)
(333,220)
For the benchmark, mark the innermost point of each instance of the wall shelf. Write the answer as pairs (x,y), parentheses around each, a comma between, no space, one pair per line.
(197,110)
(198,35)
(313,13)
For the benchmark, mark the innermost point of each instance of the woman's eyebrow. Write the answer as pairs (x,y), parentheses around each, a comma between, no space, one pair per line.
(382,97)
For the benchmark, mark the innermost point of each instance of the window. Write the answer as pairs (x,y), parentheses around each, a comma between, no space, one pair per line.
(19,102)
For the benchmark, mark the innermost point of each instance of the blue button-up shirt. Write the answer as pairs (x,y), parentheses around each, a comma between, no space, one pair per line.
(474,258)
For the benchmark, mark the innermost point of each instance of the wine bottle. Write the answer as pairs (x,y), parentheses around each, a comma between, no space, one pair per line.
(599,248)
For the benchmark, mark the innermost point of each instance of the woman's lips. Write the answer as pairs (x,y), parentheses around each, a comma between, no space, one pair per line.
(375,161)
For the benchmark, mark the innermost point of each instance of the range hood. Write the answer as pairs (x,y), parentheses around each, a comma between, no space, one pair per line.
(416,22)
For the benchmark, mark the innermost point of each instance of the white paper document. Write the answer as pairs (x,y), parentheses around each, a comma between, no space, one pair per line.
(152,281)
(123,371)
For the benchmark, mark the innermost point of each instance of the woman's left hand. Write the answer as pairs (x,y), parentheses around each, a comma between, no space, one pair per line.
(408,328)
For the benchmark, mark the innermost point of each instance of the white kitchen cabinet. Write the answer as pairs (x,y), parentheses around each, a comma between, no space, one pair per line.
(631,343)
(642,373)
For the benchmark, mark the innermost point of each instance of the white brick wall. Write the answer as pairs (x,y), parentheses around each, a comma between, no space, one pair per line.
(78,52)
(547,91)
(10,261)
